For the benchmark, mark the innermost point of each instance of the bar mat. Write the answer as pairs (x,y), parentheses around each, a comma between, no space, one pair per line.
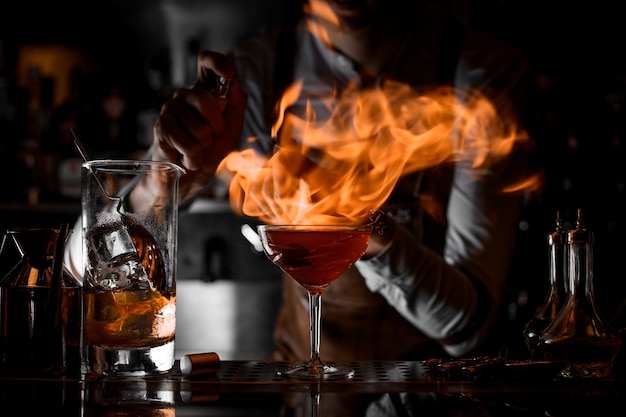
(366,372)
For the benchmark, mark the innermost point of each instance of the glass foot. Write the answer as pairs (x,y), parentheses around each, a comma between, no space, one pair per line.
(308,372)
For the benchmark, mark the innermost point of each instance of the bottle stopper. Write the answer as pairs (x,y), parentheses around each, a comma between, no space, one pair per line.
(200,364)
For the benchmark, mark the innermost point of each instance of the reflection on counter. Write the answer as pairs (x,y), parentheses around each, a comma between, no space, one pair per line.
(379,389)
(139,398)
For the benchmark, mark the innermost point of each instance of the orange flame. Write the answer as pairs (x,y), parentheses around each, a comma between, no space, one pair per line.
(338,169)
(322,12)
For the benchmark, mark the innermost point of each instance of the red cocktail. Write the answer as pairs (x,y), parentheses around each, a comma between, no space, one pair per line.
(315,256)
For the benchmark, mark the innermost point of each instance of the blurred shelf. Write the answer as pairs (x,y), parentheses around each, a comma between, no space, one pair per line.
(45,214)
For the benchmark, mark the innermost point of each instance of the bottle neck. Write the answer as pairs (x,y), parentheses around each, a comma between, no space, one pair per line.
(558,266)
(581,270)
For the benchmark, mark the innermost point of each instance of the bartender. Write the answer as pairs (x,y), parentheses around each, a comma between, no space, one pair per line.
(432,281)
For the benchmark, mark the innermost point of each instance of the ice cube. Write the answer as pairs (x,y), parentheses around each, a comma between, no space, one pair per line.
(109,242)
(114,261)
(125,276)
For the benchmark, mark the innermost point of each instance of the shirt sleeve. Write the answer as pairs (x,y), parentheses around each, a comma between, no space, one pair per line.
(455,297)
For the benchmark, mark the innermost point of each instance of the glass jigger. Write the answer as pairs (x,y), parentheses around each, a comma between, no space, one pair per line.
(130,230)
(315,256)
(39,306)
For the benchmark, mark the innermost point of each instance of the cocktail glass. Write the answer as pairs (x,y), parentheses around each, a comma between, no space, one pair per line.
(315,256)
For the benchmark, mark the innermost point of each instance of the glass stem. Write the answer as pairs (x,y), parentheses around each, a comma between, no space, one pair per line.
(315,311)
(315,404)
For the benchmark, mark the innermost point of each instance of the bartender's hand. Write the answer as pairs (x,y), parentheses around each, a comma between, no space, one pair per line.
(196,128)
(383,231)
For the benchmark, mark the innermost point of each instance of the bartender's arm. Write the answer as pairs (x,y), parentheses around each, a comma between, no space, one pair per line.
(455,298)
(196,129)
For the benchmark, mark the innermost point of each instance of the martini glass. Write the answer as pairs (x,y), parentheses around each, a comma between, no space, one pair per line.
(315,256)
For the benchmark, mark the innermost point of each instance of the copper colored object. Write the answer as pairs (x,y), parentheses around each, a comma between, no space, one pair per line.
(200,364)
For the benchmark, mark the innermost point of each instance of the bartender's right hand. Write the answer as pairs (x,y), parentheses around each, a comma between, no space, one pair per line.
(196,128)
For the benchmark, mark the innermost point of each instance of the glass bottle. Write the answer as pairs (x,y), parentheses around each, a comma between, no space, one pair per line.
(555,297)
(580,335)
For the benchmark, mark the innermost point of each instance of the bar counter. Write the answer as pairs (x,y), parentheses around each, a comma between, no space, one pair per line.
(251,388)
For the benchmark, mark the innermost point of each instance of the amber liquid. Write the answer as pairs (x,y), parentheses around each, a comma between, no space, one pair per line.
(133,318)
(315,258)
(129,318)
